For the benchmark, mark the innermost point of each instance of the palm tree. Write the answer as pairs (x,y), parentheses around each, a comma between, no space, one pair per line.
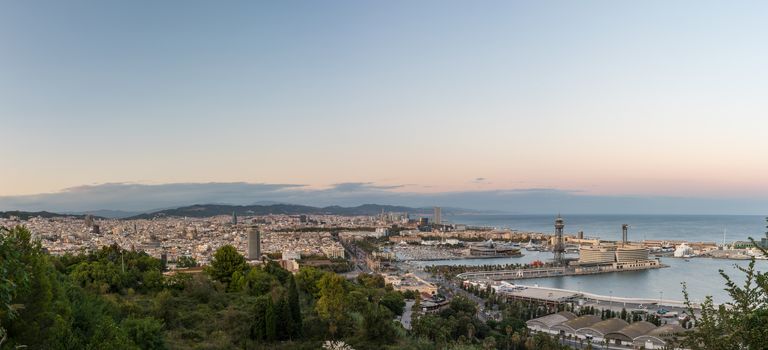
(516,340)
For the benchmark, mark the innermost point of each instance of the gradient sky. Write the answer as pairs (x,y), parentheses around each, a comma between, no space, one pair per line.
(651,98)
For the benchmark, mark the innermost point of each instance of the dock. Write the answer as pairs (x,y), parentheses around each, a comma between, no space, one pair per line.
(519,274)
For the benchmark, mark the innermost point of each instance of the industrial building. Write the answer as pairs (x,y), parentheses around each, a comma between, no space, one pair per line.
(622,256)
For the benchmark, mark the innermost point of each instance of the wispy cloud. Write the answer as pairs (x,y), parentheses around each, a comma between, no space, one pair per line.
(480,180)
(362,186)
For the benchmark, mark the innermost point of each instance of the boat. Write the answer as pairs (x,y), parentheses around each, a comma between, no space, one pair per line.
(531,247)
(683,251)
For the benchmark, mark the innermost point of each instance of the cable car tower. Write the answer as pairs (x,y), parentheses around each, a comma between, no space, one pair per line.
(559,248)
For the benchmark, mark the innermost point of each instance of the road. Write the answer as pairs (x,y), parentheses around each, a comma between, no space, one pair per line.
(358,257)
(449,289)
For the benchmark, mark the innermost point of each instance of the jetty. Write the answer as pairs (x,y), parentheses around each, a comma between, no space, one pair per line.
(519,274)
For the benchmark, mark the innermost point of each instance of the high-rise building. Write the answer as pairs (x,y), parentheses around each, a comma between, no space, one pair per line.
(436,218)
(254,243)
(89,221)
(234,218)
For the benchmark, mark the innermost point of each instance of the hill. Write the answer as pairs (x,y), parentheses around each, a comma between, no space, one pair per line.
(25,215)
(207,210)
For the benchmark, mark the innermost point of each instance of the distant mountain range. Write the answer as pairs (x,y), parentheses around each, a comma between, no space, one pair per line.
(25,215)
(206,210)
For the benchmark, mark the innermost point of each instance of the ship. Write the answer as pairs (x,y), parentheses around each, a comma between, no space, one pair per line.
(490,248)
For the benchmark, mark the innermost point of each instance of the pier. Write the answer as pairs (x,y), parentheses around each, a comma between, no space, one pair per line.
(518,274)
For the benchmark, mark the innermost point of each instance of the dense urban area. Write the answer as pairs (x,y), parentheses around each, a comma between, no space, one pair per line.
(339,282)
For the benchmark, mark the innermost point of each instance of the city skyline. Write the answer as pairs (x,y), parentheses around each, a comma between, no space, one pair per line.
(420,100)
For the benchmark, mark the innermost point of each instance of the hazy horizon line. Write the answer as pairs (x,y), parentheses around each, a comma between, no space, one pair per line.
(134,197)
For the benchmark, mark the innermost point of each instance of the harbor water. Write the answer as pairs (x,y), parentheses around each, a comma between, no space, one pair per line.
(698,228)
(701,275)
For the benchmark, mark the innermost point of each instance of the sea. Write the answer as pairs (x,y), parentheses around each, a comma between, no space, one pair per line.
(701,276)
(694,228)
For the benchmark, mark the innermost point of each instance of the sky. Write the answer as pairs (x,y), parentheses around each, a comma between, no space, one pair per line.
(612,100)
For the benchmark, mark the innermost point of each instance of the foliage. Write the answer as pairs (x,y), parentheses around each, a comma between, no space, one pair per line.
(146,332)
(226,261)
(394,301)
(330,306)
(738,324)
(113,298)
(186,261)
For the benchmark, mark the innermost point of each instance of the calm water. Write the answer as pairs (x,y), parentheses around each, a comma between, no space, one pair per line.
(702,228)
(700,274)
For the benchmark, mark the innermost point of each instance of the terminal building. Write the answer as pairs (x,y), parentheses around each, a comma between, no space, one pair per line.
(612,257)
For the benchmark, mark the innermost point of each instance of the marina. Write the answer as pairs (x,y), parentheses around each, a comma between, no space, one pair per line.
(698,273)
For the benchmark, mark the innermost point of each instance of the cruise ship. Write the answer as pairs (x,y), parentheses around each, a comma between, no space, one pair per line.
(490,248)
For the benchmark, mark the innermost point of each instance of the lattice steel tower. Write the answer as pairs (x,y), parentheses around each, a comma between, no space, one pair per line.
(559,248)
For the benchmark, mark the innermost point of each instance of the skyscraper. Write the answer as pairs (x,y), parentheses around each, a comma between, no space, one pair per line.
(436,217)
(254,243)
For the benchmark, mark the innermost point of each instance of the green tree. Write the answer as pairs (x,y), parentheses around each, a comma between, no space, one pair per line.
(226,261)
(371,280)
(463,304)
(738,324)
(431,327)
(147,332)
(393,301)
(186,261)
(284,322)
(270,319)
(259,330)
(238,282)
(259,282)
(294,308)
(377,325)
(307,280)
(330,306)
